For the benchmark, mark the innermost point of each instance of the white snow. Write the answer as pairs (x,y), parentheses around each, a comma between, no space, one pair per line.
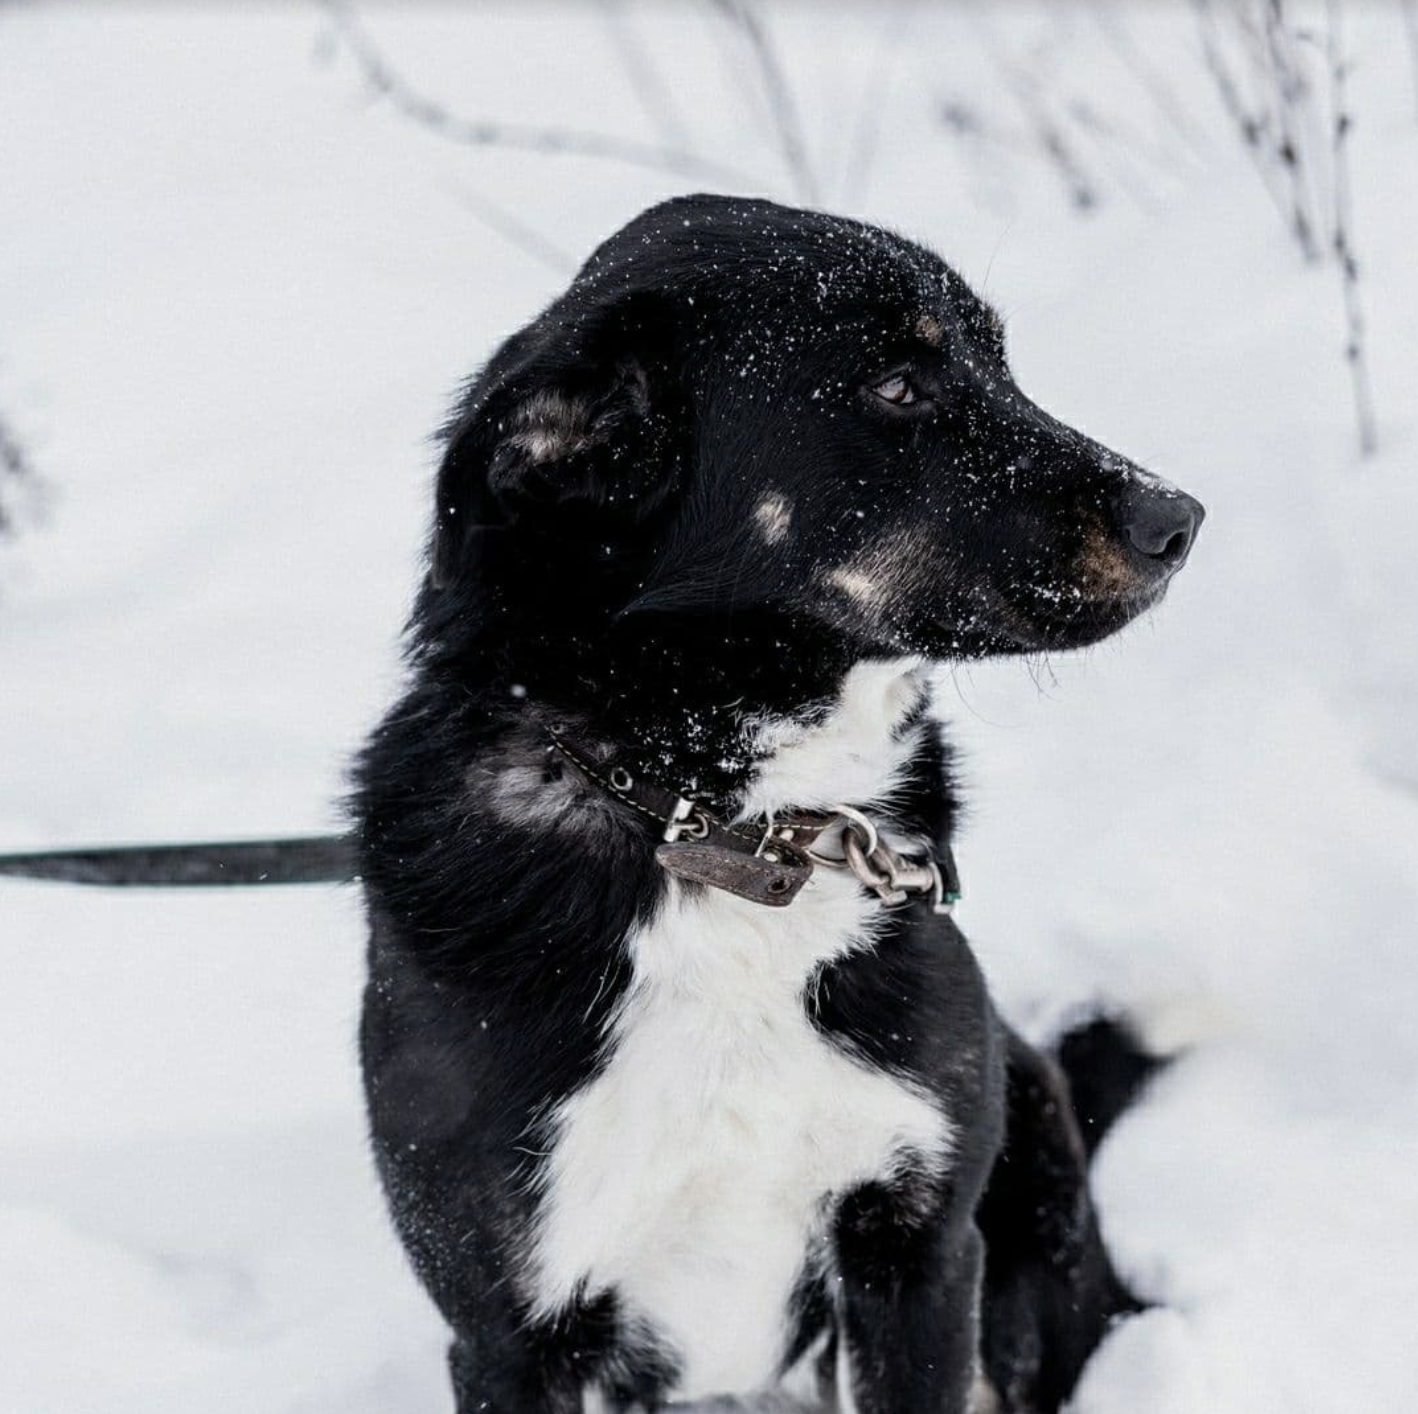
(234,299)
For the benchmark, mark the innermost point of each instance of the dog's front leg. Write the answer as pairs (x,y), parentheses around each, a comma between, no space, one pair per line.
(907,1306)
(495,1372)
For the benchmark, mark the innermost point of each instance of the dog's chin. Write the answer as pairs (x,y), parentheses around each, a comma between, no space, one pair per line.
(1053,628)
(1036,626)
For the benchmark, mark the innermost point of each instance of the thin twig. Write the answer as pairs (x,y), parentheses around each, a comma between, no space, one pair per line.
(389,84)
(1251,126)
(515,231)
(965,123)
(1109,18)
(1115,145)
(866,129)
(642,73)
(1050,135)
(1281,65)
(1341,125)
(14,464)
(13,461)
(779,93)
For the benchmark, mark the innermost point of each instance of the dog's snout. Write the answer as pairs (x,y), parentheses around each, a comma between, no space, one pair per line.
(1161,525)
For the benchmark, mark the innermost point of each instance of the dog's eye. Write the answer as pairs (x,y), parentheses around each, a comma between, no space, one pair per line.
(897,390)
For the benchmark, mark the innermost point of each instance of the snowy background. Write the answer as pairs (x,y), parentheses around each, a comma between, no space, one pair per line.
(236,291)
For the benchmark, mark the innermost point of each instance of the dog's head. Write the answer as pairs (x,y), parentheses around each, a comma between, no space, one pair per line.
(738,405)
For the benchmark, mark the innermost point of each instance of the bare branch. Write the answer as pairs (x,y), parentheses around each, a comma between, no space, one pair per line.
(861,148)
(1281,66)
(1254,126)
(1110,20)
(642,73)
(1118,146)
(1300,149)
(779,93)
(14,464)
(389,84)
(515,231)
(1341,125)
(1049,134)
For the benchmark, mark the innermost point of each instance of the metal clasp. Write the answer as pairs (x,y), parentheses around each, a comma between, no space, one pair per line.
(884,870)
(855,824)
(686,821)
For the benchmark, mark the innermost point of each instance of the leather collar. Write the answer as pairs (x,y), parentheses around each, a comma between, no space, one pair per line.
(767,860)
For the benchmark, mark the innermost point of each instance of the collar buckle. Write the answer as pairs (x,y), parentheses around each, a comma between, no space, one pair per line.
(686,821)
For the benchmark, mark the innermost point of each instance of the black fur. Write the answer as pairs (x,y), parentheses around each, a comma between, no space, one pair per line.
(606,552)
(1106,1067)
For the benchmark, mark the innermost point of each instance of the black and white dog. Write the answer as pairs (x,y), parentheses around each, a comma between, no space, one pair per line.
(683,1086)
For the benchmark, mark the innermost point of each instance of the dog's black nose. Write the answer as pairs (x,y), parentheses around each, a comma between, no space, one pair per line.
(1161,524)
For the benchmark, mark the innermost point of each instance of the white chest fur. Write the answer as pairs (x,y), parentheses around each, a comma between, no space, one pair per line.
(694,1174)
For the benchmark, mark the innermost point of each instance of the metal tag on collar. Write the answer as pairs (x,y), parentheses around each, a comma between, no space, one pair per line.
(772,877)
(948,889)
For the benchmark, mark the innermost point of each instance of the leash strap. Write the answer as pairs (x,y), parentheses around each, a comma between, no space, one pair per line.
(766,862)
(311,859)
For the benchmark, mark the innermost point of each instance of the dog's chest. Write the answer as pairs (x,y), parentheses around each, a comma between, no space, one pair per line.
(693,1177)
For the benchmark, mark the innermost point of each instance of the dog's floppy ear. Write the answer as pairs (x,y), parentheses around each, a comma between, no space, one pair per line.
(569,428)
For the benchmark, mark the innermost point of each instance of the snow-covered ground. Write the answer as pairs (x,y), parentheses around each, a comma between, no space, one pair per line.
(234,296)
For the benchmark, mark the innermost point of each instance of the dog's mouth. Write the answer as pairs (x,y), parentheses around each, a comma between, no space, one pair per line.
(1050,617)
(1074,621)
(1105,586)
(1059,598)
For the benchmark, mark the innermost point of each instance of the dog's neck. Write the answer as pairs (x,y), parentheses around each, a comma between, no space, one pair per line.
(856,750)
(753,718)
(854,743)
(755,711)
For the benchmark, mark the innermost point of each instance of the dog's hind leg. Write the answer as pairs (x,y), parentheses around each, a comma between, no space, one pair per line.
(1105,1068)
(1050,1291)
